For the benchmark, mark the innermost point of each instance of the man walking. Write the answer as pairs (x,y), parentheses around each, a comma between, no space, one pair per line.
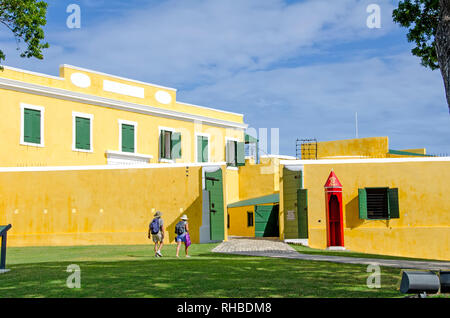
(156,229)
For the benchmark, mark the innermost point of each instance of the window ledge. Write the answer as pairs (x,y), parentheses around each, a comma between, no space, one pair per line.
(233,168)
(163,160)
(117,157)
(83,150)
(23,143)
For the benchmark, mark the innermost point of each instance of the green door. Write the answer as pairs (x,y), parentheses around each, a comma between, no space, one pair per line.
(291,184)
(214,186)
(302,205)
(266,220)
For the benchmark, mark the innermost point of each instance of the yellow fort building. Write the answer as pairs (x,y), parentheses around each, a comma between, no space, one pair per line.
(87,158)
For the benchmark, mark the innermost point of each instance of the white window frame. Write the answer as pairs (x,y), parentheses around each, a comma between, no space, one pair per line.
(196,146)
(74,133)
(226,143)
(131,123)
(172,130)
(22,124)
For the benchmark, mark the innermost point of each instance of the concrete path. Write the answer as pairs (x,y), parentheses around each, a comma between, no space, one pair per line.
(277,249)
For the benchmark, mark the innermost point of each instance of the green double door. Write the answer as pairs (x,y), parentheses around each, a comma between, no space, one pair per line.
(214,185)
(266,221)
(295,205)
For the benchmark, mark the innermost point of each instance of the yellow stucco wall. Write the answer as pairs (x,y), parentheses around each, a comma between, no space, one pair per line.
(374,147)
(257,180)
(423,229)
(92,207)
(57,134)
(238,221)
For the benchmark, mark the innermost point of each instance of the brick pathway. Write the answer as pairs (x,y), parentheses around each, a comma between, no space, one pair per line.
(277,249)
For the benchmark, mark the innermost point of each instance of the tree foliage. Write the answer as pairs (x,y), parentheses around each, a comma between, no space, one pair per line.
(421,17)
(25,19)
(428,22)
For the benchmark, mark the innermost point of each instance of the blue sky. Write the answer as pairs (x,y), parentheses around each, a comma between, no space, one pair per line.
(304,67)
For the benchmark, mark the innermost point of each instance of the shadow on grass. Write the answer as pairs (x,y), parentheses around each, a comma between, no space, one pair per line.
(204,275)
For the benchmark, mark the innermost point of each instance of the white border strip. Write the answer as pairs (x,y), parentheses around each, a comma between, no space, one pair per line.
(346,161)
(110,167)
(110,103)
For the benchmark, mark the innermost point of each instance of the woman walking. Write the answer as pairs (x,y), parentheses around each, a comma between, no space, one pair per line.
(182,231)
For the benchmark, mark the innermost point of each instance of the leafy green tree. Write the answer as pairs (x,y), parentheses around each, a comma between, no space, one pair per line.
(428,22)
(25,19)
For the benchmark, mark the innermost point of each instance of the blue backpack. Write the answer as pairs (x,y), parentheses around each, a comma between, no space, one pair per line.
(180,228)
(154,226)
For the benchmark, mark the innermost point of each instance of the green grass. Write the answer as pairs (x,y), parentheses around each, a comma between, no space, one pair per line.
(307,250)
(133,271)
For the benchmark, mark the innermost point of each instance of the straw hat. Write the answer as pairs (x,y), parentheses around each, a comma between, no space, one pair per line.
(158,214)
(184,217)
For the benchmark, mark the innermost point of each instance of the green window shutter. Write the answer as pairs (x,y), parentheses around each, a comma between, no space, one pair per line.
(176,145)
(32,126)
(362,197)
(161,143)
(82,133)
(205,149)
(240,154)
(199,149)
(202,149)
(394,211)
(127,138)
(27,129)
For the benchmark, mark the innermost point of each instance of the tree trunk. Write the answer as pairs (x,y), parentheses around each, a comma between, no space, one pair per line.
(443,45)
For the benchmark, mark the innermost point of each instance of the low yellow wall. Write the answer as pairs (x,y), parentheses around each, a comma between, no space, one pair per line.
(423,229)
(238,221)
(374,147)
(257,180)
(91,207)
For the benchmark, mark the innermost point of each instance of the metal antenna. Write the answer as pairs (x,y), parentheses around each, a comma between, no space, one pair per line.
(356,121)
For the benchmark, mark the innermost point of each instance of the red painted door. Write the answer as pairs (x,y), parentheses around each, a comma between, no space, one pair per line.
(335,222)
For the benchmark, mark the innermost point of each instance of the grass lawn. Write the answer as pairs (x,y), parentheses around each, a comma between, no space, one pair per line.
(133,271)
(307,250)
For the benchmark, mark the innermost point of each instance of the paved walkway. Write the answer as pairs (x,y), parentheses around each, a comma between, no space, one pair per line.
(277,249)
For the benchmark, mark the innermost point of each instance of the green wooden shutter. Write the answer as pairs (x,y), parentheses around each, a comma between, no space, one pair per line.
(32,126)
(82,133)
(27,125)
(302,207)
(161,143)
(394,211)
(240,154)
(176,145)
(205,149)
(362,198)
(127,138)
(37,126)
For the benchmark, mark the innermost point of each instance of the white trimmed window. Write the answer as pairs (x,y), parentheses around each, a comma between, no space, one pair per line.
(128,136)
(32,125)
(82,132)
(203,149)
(169,144)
